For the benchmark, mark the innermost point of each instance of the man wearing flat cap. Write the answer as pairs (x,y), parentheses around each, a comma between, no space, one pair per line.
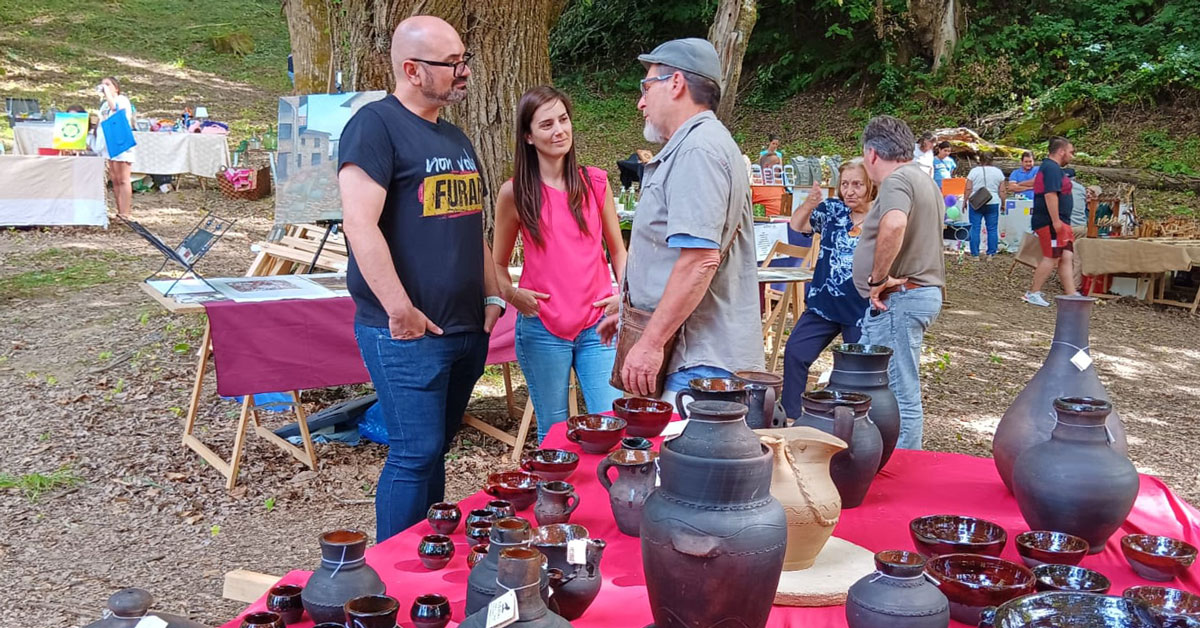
(691,255)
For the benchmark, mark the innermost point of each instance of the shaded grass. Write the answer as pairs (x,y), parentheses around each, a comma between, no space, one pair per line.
(34,485)
(59,269)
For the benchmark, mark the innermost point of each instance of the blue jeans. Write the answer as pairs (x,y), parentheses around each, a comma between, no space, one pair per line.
(423,386)
(812,334)
(990,213)
(902,327)
(546,361)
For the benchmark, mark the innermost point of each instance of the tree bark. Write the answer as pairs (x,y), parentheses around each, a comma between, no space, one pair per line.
(730,34)
(1141,178)
(929,29)
(510,39)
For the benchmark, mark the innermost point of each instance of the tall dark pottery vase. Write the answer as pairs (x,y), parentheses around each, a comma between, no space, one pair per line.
(343,574)
(520,569)
(864,369)
(713,537)
(897,595)
(1029,420)
(481,583)
(1076,482)
(844,414)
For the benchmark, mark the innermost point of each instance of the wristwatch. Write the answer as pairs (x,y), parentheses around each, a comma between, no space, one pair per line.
(876,284)
(496,301)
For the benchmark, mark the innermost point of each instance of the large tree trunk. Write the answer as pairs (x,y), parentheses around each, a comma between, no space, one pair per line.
(510,39)
(730,34)
(929,29)
(1136,176)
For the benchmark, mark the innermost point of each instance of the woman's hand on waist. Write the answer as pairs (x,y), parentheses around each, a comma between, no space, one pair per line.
(527,302)
(610,304)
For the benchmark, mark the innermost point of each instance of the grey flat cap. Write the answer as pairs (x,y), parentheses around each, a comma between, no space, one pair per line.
(693,54)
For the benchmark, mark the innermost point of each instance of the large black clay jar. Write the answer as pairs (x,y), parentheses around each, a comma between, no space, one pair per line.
(127,607)
(844,414)
(343,575)
(1076,482)
(864,369)
(897,595)
(481,583)
(713,537)
(520,569)
(1029,420)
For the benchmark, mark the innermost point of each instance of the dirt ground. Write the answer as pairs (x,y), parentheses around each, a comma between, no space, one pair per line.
(96,376)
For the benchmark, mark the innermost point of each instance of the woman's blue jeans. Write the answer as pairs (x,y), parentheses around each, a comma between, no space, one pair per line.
(990,214)
(423,387)
(546,361)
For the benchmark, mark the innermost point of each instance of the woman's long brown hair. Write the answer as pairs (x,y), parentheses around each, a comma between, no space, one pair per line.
(527,178)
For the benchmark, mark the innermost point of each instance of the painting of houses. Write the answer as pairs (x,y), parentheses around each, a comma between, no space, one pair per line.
(310,128)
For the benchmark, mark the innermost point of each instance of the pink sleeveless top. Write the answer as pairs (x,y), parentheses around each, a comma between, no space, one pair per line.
(569,265)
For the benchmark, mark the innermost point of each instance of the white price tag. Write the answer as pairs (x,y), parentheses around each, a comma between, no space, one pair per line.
(1081,360)
(577,551)
(152,621)
(657,474)
(502,611)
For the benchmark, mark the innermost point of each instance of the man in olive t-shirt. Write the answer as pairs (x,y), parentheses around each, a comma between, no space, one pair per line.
(898,263)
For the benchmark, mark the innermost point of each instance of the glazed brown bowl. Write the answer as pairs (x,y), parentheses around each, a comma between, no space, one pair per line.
(1159,558)
(1054,609)
(551,464)
(1165,601)
(517,487)
(645,417)
(973,582)
(596,433)
(1043,547)
(1052,577)
(934,535)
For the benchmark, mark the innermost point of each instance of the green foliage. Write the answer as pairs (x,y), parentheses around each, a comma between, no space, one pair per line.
(602,33)
(56,269)
(34,485)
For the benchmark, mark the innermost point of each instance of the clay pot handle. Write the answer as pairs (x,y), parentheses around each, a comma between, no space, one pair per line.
(679,407)
(602,473)
(769,407)
(573,501)
(843,425)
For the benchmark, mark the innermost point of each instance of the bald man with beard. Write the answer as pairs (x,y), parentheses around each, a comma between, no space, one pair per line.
(425,298)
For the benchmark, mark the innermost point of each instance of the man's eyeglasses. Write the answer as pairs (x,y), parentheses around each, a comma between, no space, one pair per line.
(651,79)
(460,66)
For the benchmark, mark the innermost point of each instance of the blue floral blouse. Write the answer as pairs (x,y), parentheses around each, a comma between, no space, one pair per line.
(831,293)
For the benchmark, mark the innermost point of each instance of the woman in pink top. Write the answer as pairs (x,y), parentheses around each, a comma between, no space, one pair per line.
(565,216)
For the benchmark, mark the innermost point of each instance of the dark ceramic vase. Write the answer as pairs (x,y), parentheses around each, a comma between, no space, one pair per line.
(481,583)
(897,595)
(760,404)
(342,576)
(1030,420)
(1076,482)
(844,414)
(127,607)
(713,537)
(580,584)
(634,483)
(519,569)
(864,369)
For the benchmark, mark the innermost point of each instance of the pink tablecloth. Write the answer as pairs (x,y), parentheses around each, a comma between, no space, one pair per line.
(914,483)
(299,344)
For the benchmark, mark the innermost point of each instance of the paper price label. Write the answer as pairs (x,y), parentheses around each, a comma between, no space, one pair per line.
(1081,360)
(502,611)
(577,551)
(152,621)
(657,474)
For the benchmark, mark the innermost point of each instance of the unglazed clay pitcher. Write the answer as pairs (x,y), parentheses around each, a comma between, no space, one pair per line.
(713,537)
(800,481)
(343,575)
(520,569)
(635,481)
(845,416)
(864,368)
(1076,482)
(1029,420)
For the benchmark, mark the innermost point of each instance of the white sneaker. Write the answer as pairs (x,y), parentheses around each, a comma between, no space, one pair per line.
(1035,298)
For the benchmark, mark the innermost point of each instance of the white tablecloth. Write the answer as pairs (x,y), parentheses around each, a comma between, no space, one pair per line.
(37,190)
(157,153)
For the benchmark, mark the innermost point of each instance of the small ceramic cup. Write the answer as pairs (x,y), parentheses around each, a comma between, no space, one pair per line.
(501,508)
(479,532)
(435,551)
(284,600)
(443,517)
(476,554)
(430,611)
(262,620)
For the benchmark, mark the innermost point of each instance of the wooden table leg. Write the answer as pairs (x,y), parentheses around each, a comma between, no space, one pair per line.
(239,442)
(194,404)
(508,390)
(777,332)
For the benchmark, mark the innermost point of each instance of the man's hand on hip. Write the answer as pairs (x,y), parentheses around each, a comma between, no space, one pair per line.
(491,314)
(878,293)
(640,371)
(410,323)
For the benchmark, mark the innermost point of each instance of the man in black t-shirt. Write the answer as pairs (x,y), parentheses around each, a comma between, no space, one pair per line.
(425,297)
(1051,221)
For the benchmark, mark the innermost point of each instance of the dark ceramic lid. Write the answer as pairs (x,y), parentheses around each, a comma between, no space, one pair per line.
(130,602)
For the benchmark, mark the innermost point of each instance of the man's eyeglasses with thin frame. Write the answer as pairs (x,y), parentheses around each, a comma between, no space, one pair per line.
(460,66)
(652,79)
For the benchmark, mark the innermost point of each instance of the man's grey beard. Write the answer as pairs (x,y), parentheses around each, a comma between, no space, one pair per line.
(449,97)
(652,134)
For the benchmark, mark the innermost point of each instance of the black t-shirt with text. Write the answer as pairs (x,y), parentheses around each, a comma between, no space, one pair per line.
(432,217)
(1050,180)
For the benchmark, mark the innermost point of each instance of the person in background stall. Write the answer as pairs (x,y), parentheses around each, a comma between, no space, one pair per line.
(943,164)
(985,175)
(923,152)
(1079,199)
(771,156)
(1020,181)
(832,304)
(565,216)
(1051,221)
(113,101)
